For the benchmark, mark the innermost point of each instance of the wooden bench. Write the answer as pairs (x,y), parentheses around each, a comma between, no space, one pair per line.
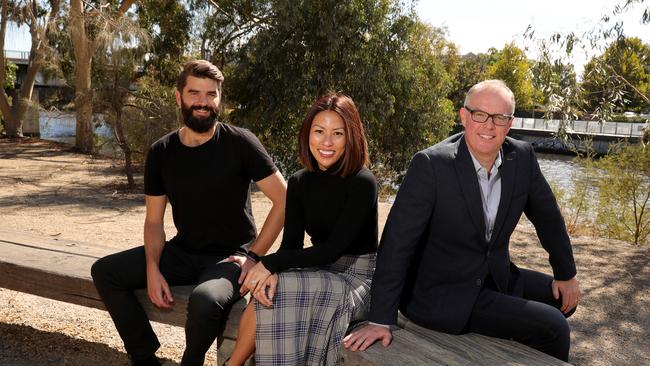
(60,270)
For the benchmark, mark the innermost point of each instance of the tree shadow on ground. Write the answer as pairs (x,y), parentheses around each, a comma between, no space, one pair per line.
(59,160)
(66,197)
(21,345)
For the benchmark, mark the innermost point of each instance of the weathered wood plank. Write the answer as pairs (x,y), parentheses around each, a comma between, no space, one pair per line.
(435,348)
(60,270)
(54,270)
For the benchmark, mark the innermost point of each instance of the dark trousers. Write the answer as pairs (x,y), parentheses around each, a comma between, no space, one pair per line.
(534,320)
(117,275)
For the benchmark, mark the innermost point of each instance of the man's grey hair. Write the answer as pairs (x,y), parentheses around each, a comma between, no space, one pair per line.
(491,84)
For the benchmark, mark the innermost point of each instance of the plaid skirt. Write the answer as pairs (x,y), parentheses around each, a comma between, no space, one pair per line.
(311,311)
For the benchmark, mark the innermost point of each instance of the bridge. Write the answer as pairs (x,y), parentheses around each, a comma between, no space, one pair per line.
(43,87)
(17,57)
(542,134)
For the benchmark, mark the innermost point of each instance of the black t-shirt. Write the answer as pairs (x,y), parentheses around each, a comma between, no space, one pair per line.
(208,187)
(339,214)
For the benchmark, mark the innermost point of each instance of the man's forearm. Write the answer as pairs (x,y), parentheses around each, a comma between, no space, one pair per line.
(154,241)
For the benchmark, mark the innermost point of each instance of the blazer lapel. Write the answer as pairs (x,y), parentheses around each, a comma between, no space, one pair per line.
(468,183)
(508,172)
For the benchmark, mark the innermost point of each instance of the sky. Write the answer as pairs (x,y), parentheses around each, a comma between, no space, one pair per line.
(17,39)
(476,25)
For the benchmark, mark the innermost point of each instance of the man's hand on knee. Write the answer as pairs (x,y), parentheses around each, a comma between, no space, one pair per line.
(570,292)
(158,290)
(365,336)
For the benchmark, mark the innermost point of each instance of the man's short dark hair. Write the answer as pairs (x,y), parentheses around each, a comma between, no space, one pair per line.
(356,146)
(199,69)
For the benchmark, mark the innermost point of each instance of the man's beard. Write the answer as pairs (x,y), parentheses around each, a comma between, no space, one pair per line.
(198,124)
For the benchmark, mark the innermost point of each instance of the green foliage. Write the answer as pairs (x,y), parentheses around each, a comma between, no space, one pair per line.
(624,194)
(613,81)
(169,24)
(221,29)
(10,81)
(10,75)
(150,113)
(394,67)
(472,69)
(511,66)
(553,79)
(618,79)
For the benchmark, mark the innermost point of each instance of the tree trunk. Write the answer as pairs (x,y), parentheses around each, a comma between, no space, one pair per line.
(84,50)
(83,64)
(13,127)
(18,110)
(84,105)
(124,145)
(38,30)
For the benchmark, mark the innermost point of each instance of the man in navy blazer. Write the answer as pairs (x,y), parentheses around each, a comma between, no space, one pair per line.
(444,260)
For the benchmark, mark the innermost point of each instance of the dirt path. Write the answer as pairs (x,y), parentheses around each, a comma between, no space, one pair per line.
(47,190)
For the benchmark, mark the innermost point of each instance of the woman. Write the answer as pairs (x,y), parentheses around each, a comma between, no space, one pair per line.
(305,298)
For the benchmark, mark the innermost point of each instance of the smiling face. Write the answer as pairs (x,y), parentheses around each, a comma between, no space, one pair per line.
(327,139)
(199,103)
(485,139)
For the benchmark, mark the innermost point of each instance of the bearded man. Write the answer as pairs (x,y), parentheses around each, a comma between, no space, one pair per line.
(203,170)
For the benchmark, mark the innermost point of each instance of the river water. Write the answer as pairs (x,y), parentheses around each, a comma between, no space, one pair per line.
(559,170)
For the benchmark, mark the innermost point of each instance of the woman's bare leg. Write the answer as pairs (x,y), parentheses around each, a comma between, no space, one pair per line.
(245,344)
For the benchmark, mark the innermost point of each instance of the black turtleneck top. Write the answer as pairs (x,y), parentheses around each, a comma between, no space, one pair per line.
(338,213)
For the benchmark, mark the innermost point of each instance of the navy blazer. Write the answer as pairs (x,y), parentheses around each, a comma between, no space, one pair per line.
(434,256)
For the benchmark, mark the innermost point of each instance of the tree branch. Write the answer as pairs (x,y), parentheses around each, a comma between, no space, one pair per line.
(626,82)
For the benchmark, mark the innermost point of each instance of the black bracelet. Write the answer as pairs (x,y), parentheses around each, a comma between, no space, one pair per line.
(252,255)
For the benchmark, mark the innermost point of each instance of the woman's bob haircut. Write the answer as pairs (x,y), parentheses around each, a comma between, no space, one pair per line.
(356,146)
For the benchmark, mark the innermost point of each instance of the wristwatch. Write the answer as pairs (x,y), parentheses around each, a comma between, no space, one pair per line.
(252,255)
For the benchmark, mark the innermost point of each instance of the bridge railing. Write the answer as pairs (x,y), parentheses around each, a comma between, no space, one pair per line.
(17,55)
(622,129)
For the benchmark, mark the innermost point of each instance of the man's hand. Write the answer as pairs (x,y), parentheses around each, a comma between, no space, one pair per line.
(158,289)
(570,292)
(255,278)
(365,336)
(245,263)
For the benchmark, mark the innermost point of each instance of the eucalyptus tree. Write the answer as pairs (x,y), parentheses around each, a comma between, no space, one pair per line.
(116,67)
(608,86)
(395,68)
(91,24)
(619,78)
(169,24)
(473,68)
(222,27)
(511,65)
(41,18)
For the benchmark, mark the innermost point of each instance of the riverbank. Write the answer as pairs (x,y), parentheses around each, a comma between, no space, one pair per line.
(46,189)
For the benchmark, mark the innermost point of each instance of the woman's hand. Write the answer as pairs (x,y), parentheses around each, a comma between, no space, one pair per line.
(264,296)
(245,263)
(254,278)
